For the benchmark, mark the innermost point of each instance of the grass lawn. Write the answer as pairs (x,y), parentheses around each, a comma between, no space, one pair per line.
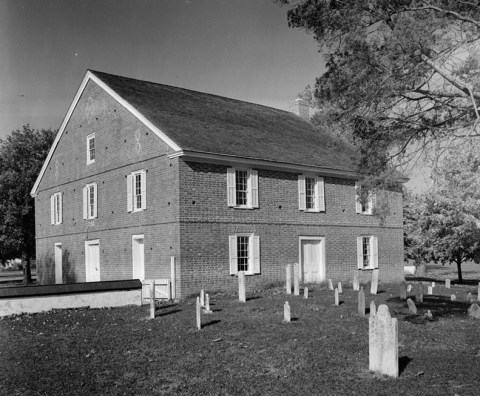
(242,349)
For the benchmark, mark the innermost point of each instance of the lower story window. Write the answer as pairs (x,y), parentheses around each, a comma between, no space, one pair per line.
(367,252)
(244,253)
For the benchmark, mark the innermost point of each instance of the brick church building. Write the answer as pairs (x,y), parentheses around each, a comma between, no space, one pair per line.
(141,172)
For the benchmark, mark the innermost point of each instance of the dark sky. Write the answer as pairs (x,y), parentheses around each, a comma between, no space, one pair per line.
(241,49)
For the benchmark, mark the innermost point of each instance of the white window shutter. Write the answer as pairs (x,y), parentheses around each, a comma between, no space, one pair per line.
(60,209)
(375,251)
(95,201)
(143,181)
(129,193)
(253,179)
(256,254)
(360,252)
(231,198)
(302,203)
(232,247)
(358,203)
(320,194)
(52,209)
(85,202)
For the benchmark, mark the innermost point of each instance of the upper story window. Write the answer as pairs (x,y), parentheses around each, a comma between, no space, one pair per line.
(242,188)
(311,193)
(90,149)
(137,191)
(363,206)
(244,254)
(367,252)
(56,208)
(90,201)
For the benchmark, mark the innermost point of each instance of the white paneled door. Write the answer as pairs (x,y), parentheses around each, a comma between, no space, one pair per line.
(92,261)
(58,263)
(312,259)
(138,257)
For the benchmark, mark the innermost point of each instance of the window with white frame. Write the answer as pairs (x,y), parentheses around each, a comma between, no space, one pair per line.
(367,252)
(90,201)
(242,188)
(311,193)
(91,149)
(363,205)
(137,191)
(56,208)
(244,252)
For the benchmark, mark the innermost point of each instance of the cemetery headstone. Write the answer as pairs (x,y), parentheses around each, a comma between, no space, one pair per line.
(330,284)
(419,296)
(474,311)
(409,288)
(430,290)
(383,342)
(411,306)
(373,307)
(433,284)
(152,299)
(202,298)
(288,278)
(361,302)
(374,285)
(340,290)
(447,283)
(296,279)
(403,291)
(337,299)
(469,298)
(305,292)
(286,313)
(453,297)
(356,284)
(242,295)
(207,304)
(199,320)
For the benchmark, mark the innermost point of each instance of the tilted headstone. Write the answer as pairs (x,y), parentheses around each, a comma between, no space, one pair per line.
(305,292)
(419,296)
(361,302)
(383,342)
(286,313)
(453,297)
(296,279)
(430,290)
(199,320)
(447,283)
(411,306)
(340,290)
(202,298)
(403,291)
(337,298)
(356,284)
(207,304)
(374,285)
(288,279)
(242,295)
(409,288)
(330,284)
(474,311)
(373,307)
(469,298)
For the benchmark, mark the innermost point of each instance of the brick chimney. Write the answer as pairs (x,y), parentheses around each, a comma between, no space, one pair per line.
(301,108)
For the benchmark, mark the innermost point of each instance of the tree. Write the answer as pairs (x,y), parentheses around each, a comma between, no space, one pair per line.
(402,76)
(22,155)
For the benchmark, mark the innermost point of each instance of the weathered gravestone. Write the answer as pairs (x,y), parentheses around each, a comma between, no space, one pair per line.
(373,307)
(330,284)
(296,279)
(411,306)
(337,298)
(374,285)
(419,296)
(453,297)
(356,284)
(409,288)
(207,304)
(474,311)
(305,292)
(429,290)
(433,284)
(288,279)
(383,342)
(403,291)
(242,295)
(340,290)
(447,283)
(202,298)
(469,298)
(199,320)
(286,313)
(152,299)
(361,302)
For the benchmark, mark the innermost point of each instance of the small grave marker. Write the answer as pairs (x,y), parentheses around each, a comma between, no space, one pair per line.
(374,285)
(288,279)
(433,284)
(411,306)
(409,288)
(403,291)
(305,292)
(340,290)
(286,313)
(447,283)
(361,302)
(202,298)
(152,299)
(419,296)
(383,342)
(199,319)
(430,290)
(469,298)
(337,299)
(296,279)
(356,284)
(453,297)
(474,311)
(207,304)
(330,284)
(242,296)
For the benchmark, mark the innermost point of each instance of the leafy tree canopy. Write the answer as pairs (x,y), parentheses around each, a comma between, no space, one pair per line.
(402,76)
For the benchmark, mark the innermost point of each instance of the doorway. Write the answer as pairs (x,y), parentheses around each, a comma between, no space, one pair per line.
(312,259)
(92,261)
(58,263)
(138,257)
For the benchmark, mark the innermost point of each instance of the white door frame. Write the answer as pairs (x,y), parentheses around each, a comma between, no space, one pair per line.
(58,262)
(322,254)
(136,256)
(88,274)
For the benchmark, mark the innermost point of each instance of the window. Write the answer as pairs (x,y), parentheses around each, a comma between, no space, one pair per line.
(244,252)
(242,188)
(367,252)
(56,208)
(363,206)
(90,201)
(90,149)
(136,191)
(311,193)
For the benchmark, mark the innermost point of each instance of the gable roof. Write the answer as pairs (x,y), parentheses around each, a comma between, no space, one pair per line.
(205,125)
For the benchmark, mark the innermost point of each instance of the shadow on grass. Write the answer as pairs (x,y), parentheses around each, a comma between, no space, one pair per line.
(253,298)
(160,314)
(403,363)
(466,282)
(439,306)
(211,323)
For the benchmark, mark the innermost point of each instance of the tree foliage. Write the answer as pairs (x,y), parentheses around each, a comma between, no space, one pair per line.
(402,76)
(22,155)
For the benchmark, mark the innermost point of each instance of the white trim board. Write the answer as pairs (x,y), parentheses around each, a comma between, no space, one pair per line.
(90,76)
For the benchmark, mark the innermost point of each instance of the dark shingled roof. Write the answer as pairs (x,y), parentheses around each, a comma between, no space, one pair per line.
(207,123)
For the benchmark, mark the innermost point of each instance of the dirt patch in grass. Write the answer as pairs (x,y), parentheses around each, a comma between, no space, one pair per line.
(243,348)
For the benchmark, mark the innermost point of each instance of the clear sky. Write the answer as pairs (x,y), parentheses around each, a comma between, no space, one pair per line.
(241,49)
